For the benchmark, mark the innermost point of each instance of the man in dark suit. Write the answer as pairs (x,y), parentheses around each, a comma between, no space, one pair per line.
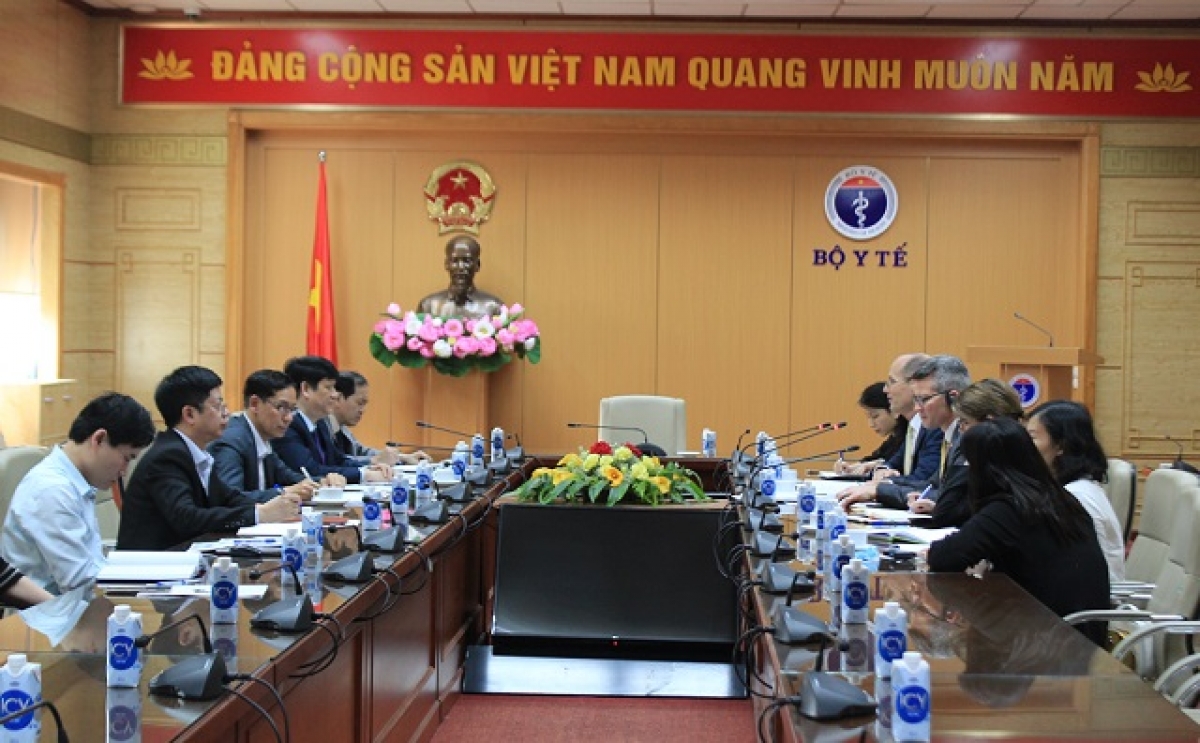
(174,495)
(353,394)
(308,444)
(243,457)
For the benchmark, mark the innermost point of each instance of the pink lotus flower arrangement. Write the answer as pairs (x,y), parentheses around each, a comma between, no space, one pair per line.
(455,346)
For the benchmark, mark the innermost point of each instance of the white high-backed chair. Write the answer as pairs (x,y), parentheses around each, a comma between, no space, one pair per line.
(15,462)
(1122,492)
(664,419)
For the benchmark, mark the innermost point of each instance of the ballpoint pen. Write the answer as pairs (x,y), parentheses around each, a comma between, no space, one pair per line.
(925,493)
(304,471)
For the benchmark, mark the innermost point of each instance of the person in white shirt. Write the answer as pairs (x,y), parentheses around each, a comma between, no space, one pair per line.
(1063,433)
(50,533)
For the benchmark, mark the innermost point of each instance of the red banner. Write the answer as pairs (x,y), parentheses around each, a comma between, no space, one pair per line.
(791,73)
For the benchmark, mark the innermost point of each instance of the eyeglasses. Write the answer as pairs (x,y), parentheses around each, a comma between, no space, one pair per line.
(923,400)
(283,408)
(217,405)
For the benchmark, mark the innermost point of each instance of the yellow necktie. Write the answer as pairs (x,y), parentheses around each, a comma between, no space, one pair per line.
(945,451)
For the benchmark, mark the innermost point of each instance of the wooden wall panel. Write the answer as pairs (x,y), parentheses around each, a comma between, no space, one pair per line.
(593,278)
(158,296)
(677,265)
(724,291)
(850,322)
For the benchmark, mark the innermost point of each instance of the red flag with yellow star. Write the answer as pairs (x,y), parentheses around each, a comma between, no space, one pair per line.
(322,338)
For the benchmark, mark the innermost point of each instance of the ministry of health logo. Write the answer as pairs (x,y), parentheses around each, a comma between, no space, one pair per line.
(861,202)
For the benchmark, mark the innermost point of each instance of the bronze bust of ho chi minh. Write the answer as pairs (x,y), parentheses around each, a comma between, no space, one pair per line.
(462,299)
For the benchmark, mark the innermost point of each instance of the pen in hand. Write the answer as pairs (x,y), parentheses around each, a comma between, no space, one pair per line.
(925,493)
(304,471)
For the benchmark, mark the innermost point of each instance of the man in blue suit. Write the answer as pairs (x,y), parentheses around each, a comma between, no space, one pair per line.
(243,457)
(308,444)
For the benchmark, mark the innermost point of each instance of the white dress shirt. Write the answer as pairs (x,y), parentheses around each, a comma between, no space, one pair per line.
(51,534)
(1104,518)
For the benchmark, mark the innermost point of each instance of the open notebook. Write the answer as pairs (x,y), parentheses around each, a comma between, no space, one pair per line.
(133,566)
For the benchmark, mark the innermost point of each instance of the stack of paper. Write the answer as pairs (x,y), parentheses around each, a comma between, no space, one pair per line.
(132,566)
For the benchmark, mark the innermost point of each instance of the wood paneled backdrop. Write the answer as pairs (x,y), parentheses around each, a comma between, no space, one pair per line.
(668,255)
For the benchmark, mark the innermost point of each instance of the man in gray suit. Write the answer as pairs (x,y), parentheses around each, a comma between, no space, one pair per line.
(243,457)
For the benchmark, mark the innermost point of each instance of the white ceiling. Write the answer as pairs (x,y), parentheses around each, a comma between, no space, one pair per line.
(1117,12)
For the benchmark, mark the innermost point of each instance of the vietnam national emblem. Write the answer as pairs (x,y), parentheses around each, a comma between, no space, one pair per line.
(459,196)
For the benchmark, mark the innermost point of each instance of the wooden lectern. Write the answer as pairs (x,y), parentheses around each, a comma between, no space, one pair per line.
(1061,373)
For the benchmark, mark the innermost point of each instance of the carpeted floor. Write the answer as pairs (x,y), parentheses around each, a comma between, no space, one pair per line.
(556,719)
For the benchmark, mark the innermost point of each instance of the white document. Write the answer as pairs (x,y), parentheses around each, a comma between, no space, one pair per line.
(136,566)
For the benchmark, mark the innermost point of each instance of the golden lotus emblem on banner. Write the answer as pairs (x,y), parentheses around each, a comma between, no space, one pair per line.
(459,196)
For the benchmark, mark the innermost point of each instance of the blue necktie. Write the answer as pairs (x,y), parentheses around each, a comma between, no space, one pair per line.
(320,448)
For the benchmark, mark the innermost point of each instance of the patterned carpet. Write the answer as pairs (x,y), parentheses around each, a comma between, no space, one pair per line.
(557,719)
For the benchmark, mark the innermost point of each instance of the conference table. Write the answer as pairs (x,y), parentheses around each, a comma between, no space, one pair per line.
(1002,666)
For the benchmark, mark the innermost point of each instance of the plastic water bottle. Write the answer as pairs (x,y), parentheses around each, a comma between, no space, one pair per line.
(460,458)
(835,522)
(294,553)
(806,503)
(911,692)
(708,443)
(760,443)
(822,546)
(223,595)
(21,687)
(399,499)
(124,668)
(476,451)
(891,637)
(856,592)
(841,551)
(312,523)
(123,708)
(424,484)
(498,454)
(372,514)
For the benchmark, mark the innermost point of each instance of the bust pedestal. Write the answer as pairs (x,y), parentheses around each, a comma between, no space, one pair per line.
(457,403)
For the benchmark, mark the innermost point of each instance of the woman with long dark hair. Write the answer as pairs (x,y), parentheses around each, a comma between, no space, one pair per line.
(1063,433)
(1026,525)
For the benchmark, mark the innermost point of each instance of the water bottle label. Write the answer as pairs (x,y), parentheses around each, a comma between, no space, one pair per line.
(768,487)
(836,530)
(855,595)
(291,556)
(841,562)
(370,511)
(497,445)
(424,481)
(477,447)
(912,704)
(399,497)
(224,594)
(122,652)
(808,502)
(892,644)
(15,700)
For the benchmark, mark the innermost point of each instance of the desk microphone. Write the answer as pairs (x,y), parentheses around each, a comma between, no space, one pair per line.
(402,445)
(1039,328)
(292,614)
(256,574)
(356,568)
(805,436)
(430,426)
(44,704)
(1179,464)
(196,677)
(593,426)
(516,453)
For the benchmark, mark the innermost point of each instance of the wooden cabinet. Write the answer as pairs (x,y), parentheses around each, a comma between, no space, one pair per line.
(38,412)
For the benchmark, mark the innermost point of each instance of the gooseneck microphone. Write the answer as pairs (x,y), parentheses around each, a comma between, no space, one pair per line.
(594,426)
(403,445)
(1179,464)
(256,574)
(1039,328)
(144,640)
(430,426)
(44,704)
(810,429)
(804,436)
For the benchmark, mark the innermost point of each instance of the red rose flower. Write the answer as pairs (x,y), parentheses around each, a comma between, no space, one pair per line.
(601,448)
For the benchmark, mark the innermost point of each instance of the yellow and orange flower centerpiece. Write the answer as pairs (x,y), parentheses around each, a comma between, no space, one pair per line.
(602,474)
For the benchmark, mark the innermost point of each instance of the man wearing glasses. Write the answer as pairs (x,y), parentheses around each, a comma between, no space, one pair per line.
(242,456)
(174,496)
